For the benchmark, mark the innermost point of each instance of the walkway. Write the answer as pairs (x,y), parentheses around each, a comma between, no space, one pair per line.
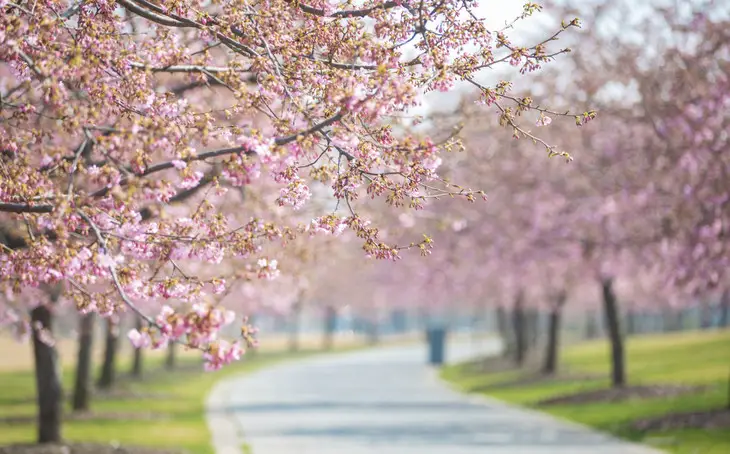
(384,401)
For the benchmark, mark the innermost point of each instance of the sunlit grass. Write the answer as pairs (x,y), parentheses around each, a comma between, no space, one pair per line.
(692,358)
(165,410)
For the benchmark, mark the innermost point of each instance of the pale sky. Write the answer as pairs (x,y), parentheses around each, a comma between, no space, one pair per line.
(496,13)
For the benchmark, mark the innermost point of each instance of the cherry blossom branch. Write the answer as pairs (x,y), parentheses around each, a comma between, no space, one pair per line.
(349,13)
(187,68)
(154,17)
(47,208)
(10,207)
(112,270)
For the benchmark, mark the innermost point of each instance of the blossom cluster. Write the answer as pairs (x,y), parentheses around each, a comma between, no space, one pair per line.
(151,154)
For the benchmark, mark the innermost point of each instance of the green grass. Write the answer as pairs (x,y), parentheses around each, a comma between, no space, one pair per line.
(693,358)
(174,417)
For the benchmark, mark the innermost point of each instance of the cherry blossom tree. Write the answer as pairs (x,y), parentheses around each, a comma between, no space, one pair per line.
(114,115)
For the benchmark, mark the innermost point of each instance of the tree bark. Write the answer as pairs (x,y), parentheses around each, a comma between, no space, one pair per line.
(137,353)
(82,384)
(108,367)
(330,323)
(518,321)
(553,344)
(47,376)
(618,360)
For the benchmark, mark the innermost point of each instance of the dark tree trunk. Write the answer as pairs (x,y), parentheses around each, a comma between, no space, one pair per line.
(170,359)
(504,331)
(725,309)
(618,360)
(518,321)
(108,367)
(82,384)
(553,343)
(295,317)
(533,330)
(47,376)
(137,353)
(330,323)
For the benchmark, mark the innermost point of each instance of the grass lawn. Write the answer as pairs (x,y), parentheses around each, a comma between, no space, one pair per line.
(164,409)
(690,358)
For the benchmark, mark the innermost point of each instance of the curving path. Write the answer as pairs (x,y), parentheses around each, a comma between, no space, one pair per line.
(384,401)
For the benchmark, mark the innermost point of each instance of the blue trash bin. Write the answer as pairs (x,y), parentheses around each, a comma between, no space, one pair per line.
(436,339)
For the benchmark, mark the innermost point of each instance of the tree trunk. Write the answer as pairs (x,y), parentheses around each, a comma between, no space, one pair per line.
(82,384)
(553,344)
(618,360)
(533,331)
(47,376)
(725,309)
(170,359)
(294,327)
(329,328)
(138,354)
(504,331)
(518,321)
(108,367)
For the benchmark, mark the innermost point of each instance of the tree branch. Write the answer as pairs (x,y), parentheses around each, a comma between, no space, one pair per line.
(10,207)
(348,13)
(47,208)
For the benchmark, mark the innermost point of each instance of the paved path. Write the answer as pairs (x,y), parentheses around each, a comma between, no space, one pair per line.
(383,401)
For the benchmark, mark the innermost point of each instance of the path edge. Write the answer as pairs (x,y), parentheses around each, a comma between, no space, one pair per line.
(224,432)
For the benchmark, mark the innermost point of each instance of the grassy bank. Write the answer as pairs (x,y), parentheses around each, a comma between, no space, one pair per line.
(700,359)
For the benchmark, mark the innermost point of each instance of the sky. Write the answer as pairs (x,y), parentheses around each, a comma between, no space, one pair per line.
(496,14)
